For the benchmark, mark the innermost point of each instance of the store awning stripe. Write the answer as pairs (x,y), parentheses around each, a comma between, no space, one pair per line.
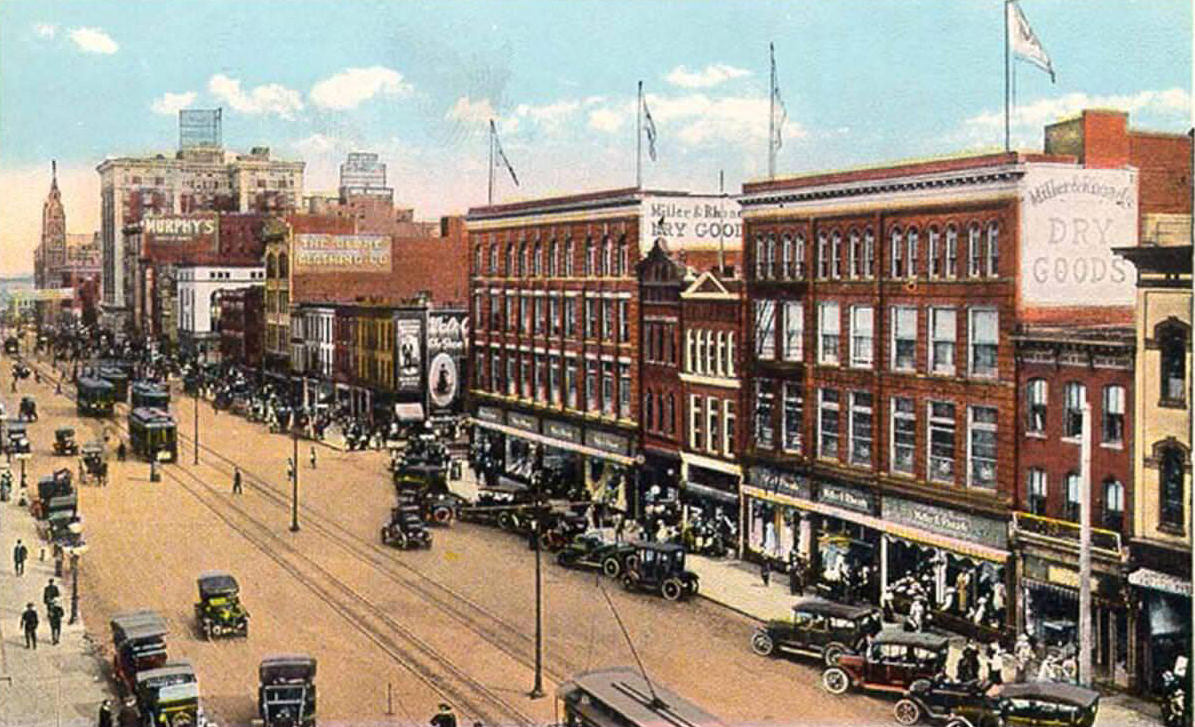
(1159,581)
(553,442)
(902,531)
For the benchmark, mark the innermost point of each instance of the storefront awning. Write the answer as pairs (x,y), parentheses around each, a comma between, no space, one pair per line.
(1159,581)
(408,412)
(711,493)
(916,535)
(553,442)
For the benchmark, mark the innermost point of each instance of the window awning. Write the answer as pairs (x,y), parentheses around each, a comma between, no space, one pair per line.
(711,493)
(1159,581)
(408,412)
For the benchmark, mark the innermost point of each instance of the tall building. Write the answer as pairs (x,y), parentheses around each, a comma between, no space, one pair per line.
(65,260)
(361,174)
(50,254)
(200,176)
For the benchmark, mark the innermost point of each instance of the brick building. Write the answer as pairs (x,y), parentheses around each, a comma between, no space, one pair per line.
(242,326)
(555,305)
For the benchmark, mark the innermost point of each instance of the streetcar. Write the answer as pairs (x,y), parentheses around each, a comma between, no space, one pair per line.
(620,697)
(94,397)
(153,435)
(149,395)
(119,380)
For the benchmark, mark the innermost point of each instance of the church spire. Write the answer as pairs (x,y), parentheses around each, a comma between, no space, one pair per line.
(53,174)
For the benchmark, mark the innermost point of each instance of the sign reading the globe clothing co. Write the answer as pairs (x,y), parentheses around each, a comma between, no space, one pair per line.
(339,253)
(1071,218)
(945,521)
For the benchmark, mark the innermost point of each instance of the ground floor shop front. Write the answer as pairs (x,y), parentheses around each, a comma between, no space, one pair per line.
(1160,628)
(857,546)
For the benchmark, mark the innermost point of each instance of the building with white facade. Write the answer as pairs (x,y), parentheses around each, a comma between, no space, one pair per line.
(198,293)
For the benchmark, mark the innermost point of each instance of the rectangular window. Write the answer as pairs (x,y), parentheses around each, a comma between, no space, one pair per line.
(983,341)
(541,378)
(495,373)
(512,375)
(554,315)
(794,330)
(1076,394)
(728,419)
(570,317)
(624,321)
(526,314)
(904,435)
(764,400)
(608,388)
(713,437)
(827,423)
(765,329)
(904,338)
(1037,491)
(570,383)
(943,330)
(479,367)
(983,447)
(541,321)
(591,385)
(554,379)
(607,320)
(793,414)
(829,329)
(696,417)
(862,332)
(526,363)
(1113,415)
(862,429)
(941,442)
(1035,406)
(1072,497)
(591,318)
(624,390)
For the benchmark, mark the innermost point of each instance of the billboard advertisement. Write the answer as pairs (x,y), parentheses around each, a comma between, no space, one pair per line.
(408,360)
(321,253)
(691,223)
(172,238)
(1071,219)
(447,334)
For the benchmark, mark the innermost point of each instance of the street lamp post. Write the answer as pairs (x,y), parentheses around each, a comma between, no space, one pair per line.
(196,423)
(74,588)
(537,690)
(294,469)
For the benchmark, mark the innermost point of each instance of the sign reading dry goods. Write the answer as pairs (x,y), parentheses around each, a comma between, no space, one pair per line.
(338,253)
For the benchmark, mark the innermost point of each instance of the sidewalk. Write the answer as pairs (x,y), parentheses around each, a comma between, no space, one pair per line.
(60,685)
(737,585)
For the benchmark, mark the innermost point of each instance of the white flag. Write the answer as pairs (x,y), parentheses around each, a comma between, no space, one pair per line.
(1023,41)
(649,126)
(501,156)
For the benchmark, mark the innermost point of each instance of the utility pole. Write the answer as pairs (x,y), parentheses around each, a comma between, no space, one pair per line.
(1085,638)
(537,689)
(196,397)
(294,470)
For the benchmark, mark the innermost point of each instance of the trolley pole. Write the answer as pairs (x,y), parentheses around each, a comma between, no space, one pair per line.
(537,689)
(294,496)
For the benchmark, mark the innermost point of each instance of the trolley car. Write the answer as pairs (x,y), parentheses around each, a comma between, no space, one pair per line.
(621,697)
(95,397)
(119,380)
(149,395)
(153,435)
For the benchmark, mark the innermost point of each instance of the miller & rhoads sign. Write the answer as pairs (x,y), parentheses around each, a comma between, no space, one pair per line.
(1070,222)
(691,223)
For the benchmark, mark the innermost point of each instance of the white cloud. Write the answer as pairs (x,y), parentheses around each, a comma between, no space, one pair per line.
(45,30)
(352,86)
(606,119)
(468,111)
(698,119)
(93,40)
(270,98)
(170,104)
(710,76)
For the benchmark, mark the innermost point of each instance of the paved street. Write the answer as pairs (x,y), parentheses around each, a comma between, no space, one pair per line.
(456,622)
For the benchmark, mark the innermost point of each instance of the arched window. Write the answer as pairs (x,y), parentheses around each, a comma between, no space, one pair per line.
(568,258)
(934,268)
(283,266)
(1171,336)
(799,256)
(823,255)
(993,256)
(869,254)
(649,409)
(896,249)
(771,255)
(786,257)
(1172,464)
(761,257)
(590,257)
(608,257)
(271,266)
(494,259)
(477,254)
(1113,504)
(950,268)
(510,259)
(523,266)
(973,251)
(911,240)
(854,254)
(660,412)
(537,260)
(624,258)
(553,256)
(836,255)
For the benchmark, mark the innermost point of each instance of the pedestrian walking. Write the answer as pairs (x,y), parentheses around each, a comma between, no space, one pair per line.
(445,717)
(765,572)
(313,458)
(54,616)
(105,716)
(29,626)
(236,481)
(19,555)
(796,574)
(50,593)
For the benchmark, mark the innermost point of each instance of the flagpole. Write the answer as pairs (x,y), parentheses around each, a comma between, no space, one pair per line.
(639,140)
(772,113)
(491,169)
(1007,72)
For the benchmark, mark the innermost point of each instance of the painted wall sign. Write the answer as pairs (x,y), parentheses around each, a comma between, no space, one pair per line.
(447,334)
(695,223)
(314,253)
(408,361)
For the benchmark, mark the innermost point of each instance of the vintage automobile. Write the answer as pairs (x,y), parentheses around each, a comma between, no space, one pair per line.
(939,699)
(64,442)
(219,611)
(137,638)
(28,410)
(286,691)
(504,503)
(51,488)
(11,345)
(819,628)
(406,529)
(92,465)
(1030,704)
(169,695)
(891,663)
(660,567)
(16,437)
(594,551)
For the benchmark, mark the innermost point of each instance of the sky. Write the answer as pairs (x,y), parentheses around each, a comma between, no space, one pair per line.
(862,82)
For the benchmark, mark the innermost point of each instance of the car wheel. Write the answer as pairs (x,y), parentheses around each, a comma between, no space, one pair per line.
(693,587)
(831,654)
(672,589)
(442,515)
(385,540)
(835,680)
(611,567)
(906,712)
(402,540)
(762,644)
(628,582)
(958,722)
(505,520)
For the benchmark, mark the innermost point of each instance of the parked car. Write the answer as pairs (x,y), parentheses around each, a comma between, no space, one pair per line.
(64,442)
(219,611)
(660,567)
(819,628)
(286,691)
(406,529)
(891,663)
(138,644)
(169,695)
(16,437)
(940,699)
(1032,704)
(28,410)
(593,551)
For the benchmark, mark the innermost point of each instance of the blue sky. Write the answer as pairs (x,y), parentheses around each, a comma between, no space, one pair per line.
(863,82)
